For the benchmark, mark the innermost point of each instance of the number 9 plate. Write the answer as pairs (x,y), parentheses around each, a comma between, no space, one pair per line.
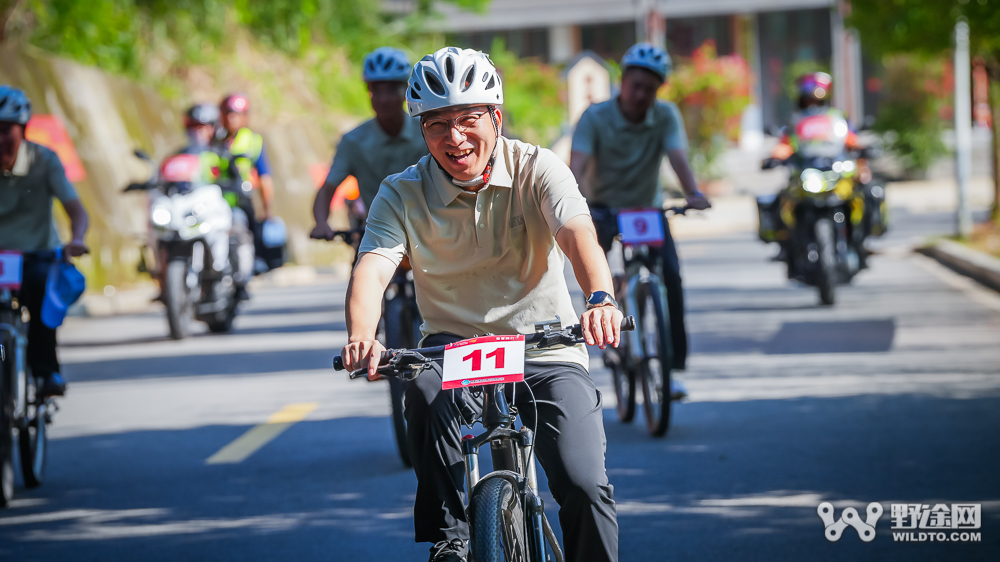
(10,270)
(485,360)
(643,227)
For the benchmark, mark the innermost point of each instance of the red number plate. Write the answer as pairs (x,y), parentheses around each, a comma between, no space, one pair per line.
(485,360)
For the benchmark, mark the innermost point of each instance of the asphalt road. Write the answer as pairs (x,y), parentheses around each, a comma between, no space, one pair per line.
(891,396)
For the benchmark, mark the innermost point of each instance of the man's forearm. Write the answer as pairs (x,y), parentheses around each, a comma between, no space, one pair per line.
(266,193)
(321,205)
(578,241)
(364,296)
(78,219)
(679,162)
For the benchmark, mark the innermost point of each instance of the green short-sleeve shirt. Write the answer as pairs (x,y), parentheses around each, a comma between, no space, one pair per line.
(26,194)
(627,155)
(370,155)
(484,262)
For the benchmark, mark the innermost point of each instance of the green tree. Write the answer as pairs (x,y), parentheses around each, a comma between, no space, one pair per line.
(927,27)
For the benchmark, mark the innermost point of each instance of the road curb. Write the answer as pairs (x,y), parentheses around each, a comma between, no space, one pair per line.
(982,267)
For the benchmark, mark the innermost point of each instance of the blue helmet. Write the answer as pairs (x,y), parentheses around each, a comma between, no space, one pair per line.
(650,57)
(15,107)
(386,64)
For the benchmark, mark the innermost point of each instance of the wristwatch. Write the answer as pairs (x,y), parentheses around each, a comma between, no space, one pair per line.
(601,298)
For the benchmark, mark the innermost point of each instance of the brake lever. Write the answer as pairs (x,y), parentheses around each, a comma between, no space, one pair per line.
(404,365)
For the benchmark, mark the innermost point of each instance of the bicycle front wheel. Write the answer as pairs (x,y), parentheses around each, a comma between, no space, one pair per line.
(33,441)
(654,370)
(497,525)
(624,381)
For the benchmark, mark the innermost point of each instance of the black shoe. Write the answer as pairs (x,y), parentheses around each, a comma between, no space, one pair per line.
(449,551)
(242,294)
(54,385)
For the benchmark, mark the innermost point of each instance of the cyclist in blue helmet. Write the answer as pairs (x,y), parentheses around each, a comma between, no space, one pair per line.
(618,146)
(385,145)
(32,177)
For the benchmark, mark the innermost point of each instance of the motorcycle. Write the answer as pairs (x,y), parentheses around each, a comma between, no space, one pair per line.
(831,205)
(204,251)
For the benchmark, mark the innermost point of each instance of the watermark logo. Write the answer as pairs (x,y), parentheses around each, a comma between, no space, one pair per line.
(850,517)
(907,518)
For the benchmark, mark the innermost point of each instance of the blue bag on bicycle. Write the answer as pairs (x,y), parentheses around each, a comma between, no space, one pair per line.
(63,288)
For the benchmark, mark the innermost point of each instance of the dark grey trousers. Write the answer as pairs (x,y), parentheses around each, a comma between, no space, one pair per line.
(570,445)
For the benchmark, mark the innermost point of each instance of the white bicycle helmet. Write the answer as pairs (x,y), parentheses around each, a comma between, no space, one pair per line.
(386,64)
(650,57)
(453,76)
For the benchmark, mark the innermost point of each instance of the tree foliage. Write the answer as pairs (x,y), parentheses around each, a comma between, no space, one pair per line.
(925,26)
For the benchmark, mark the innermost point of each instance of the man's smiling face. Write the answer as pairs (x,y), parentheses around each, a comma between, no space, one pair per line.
(461,138)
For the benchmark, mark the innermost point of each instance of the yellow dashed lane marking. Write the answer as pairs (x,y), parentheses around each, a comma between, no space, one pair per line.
(258,436)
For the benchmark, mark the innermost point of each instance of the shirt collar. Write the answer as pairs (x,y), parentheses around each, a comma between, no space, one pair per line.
(23,161)
(501,176)
(620,121)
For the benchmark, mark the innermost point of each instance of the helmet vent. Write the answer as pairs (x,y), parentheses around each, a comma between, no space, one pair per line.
(414,94)
(491,83)
(470,76)
(434,83)
(449,69)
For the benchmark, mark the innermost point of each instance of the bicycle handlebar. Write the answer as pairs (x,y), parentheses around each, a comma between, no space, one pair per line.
(346,235)
(566,336)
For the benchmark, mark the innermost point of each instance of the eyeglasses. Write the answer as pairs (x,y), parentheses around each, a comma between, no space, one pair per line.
(437,128)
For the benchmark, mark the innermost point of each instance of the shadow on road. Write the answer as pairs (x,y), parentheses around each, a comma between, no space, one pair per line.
(731,477)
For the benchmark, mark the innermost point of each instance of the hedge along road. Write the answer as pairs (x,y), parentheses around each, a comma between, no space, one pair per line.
(249,447)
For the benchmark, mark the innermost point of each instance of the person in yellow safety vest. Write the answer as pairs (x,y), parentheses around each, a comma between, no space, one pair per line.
(251,161)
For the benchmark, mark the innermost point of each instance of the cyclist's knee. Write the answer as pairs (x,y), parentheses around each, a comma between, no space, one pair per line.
(590,491)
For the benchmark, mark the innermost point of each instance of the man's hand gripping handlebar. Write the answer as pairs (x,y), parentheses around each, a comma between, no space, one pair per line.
(407,364)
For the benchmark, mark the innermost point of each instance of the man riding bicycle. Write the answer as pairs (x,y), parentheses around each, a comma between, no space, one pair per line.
(618,146)
(32,177)
(486,222)
(379,147)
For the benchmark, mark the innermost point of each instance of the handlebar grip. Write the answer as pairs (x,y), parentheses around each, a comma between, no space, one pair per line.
(628,323)
(338,363)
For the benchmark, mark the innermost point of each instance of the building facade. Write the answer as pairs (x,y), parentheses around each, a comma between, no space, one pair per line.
(776,37)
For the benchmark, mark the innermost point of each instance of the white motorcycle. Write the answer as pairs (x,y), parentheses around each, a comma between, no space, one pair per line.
(204,252)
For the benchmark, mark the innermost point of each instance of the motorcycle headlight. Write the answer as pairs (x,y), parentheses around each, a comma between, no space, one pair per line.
(160,216)
(812,181)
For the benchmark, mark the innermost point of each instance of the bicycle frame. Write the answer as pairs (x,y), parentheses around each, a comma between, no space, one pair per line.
(511,450)
(513,459)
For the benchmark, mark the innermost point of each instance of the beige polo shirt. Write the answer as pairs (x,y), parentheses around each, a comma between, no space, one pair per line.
(484,262)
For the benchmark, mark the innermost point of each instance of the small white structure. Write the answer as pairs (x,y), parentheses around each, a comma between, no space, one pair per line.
(588,81)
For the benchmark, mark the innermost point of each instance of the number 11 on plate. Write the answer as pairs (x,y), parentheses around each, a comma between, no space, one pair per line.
(483,360)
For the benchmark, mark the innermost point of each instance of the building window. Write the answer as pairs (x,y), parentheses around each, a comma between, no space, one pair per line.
(789,40)
(684,35)
(522,42)
(610,40)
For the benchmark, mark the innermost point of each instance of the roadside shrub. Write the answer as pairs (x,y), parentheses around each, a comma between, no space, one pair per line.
(711,92)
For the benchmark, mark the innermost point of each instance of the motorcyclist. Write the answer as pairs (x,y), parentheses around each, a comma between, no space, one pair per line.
(815,90)
(32,177)
(618,146)
(217,166)
(251,159)
(379,147)
(486,222)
